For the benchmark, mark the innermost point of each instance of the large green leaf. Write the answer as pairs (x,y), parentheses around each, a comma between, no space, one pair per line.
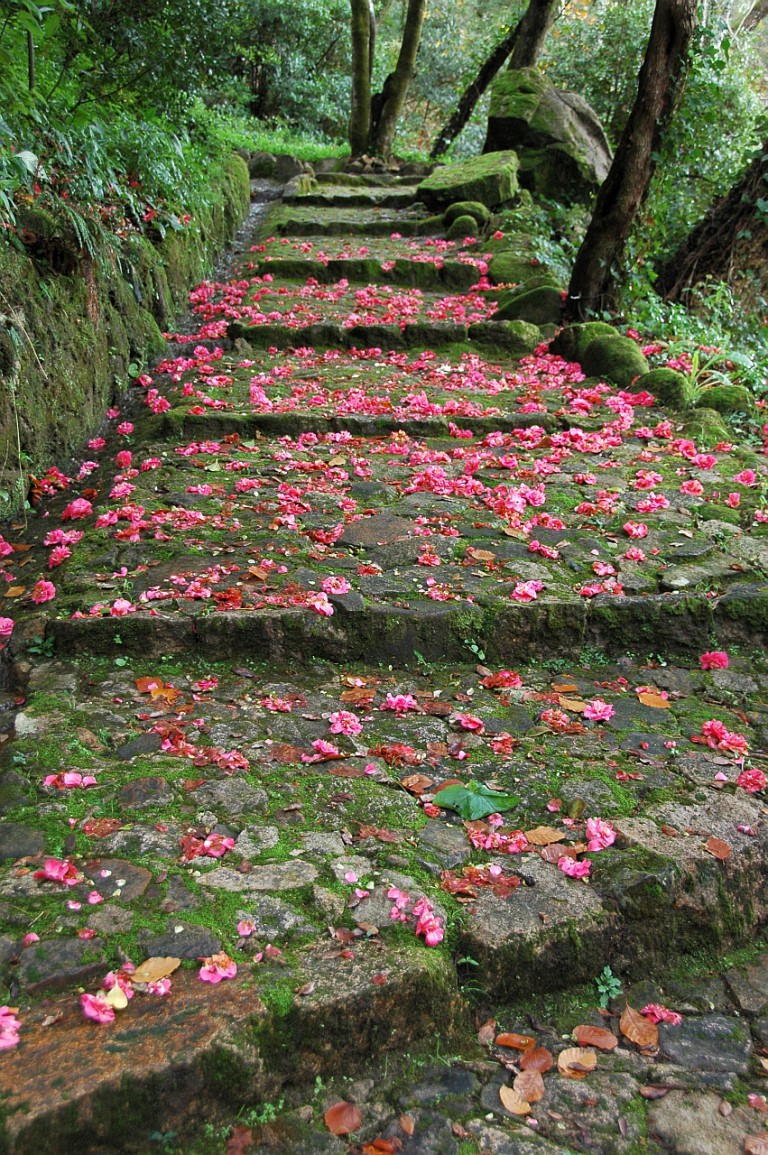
(475,801)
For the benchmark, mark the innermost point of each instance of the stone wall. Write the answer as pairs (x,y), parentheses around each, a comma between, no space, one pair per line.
(67,338)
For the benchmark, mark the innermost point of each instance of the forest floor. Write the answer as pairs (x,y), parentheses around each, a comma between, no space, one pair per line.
(400,710)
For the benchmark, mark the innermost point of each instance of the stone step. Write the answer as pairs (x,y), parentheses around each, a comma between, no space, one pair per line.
(419,274)
(330,197)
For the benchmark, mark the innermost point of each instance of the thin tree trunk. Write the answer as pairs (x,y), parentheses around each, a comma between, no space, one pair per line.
(398,82)
(360,115)
(754,16)
(523,44)
(734,222)
(624,189)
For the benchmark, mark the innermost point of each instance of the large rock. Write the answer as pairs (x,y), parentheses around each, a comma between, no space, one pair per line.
(489,179)
(563,151)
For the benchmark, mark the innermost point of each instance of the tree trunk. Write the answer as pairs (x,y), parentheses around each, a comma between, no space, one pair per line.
(360,115)
(730,243)
(754,16)
(524,42)
(397,83)
(624,189)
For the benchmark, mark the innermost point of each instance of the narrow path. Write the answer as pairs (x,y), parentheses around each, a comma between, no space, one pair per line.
(361,663)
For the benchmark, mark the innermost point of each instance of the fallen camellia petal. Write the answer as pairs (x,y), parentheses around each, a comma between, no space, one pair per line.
(343,1118)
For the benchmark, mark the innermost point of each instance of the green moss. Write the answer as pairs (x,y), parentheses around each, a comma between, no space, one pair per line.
(616,358)
(706,426)
(571,342)
(667,385)
(490,179)
(460,227)
(727,399)
(537,306)
(474,209)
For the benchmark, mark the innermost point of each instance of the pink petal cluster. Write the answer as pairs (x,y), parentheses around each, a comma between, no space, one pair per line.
(719,737)
(751,780)
(598,711)
(659,1014)
(60,870)
(714,660)
(69,779)
(345,722)
(635,529)
(400,703)
(217,967)
(600,834)
(336,585)
(43,591)
(9,1029)
(76,509)
(97,1008)
(574,869)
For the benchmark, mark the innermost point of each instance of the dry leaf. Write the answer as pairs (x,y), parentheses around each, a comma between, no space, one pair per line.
(154,969)
(416,783)
(654,700)
(517,1042)
(599,1037)
(575,705)
(576,1062)
(486,1032)
(653,1092)
(116,998)
(565,687)
(15,591)
(381,1147)
(639,1029)
(529,1086)
(480,554)
(756,1144)
(306,989)
(724,1108)
(717,848)
(512,1101)
(544,835)
(537,1059)
(343,1118)
(147,685)
(240,1140)
(407,1124)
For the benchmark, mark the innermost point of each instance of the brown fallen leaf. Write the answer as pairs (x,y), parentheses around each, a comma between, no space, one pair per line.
(576,1062)
(381,1147)
(639,1029)
(407,1124)
(240,1140)
(574,705)
(724,1108)
(654,700)
(15,591)
(544,835)
(529,1086)
(517,1042)
(416,783)
(537,1059)
(512,1102)
(717,848)
(653,1092)
(306,989)
(565,687)
(599,1037)
(486,1032)
(343,1118)
(155,968)
(756,1144)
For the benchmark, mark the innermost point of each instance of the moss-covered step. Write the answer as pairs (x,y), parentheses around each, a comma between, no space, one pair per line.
(297,220)
(364,270)
(489,179)
(330,196)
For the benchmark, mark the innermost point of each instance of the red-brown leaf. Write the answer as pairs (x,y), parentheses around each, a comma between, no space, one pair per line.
(517,1042)
(639,1029)
(343,1118)
(240,1140)
(717,848)
(587,1036)
(537,1059)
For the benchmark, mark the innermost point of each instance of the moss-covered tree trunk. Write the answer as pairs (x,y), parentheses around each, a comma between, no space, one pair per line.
(593,281)
(398,82)
(731,242)
(522,46)
(360,115)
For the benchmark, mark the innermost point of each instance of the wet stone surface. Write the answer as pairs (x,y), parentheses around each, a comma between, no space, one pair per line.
(376,698)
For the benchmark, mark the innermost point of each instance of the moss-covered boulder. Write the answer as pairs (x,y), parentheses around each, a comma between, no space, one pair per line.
(538,306)
(563,150)
(706,427)
(512,265)
(669,387)
(728,399)
(479,213)
(461,227)
(490,179)
(431,226)
(616,358)
(515,338)
(571,342)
